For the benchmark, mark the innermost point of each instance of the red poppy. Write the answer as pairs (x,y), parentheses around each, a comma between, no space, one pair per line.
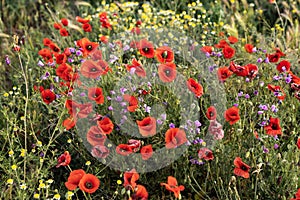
(64,21)
(297,195)
(104,39)
(232,115)
(133,102)
(96,94)
(222,44)
(105,125)
(277,91)
(64,159)
(63,32)
(69,123)
(279,52)
(167,72)
(224,73)
(252,70)
(130,179)
(89,183)
(164,54)
(146,48)
(79,110)
(228,52)
(74,179)
(124,149)
(100,151)
(298,143)
(195,87)
(232,39)
(211,113)
(87,27)
(46,54)
(57,26)
(207,49)
(241,169)
(136,30)
(48,96)
(104,20)
(81,20)
(172,186)
(95,136)
(87,47)
(175,137)
(206,154)
(54,47)
(146,152)
(91,69)
(295,79)
(137,67)
(284,66)
(134,44)
(249,48)
(47,42)
(216,129)
(96,55)
(60,58)
(140,193)
(273,58)
(273,128)
(147,126)
(238,70)
(65,72)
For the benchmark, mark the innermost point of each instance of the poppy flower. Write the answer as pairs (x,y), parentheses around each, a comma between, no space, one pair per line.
(87,27)
(295,79)
(65,72)
(216,129)
(74,179)
(146,152)
(211,113)
(124,149)
(207,49)
(277,50)
(164,54)
(60,58)
(167,72)
(140,193)
(172,186)
(284,66)
(48,96)
(238,70)
(57,26)
(64,159)
(232,115)
(133,102)
(105,125)
(81,20)
(273,58)
(64,21)
(241,169)
(137,67)
(96,55)
(206,154)
(130,179)
(69,123)
(222,44)
(47,42)
(95,136)
(100,151)
(298,143)
(146,48)
(104,20)
(46,54)
(135,145)
(91,69)
(96,94)
(297,195)
(195,87)
(136,30)
(252,70)
(228,52)
(79,110)
(89,183)
(224,73)
(87,47)
(104,39)
(277,91)
(273,128)
(249,48)
(175,137)
(232,39)
(63,32)
(54,47)
(147,126)
(134,44)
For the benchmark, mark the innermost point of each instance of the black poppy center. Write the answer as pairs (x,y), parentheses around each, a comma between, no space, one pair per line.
(164,54)
(88,185)
(168,72)
(211,113)
(274,126)
(98,136)
(93,69)
(55,49)
(146,49)
(244,168)
(89,47)
(48,98)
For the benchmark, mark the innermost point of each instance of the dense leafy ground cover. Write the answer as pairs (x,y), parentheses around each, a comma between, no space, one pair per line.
(150,100)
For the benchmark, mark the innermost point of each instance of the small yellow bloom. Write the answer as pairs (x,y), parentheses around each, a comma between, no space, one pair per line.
(11,152)
(50,181)
(22,118)
(10,181)
(14,167)
(56,196)
(42,185)
(39,143)
(119,182)
(88,163)
(14,88)
(69,141)
(203,144)
(23,186)
(5,94)
(70,194)
(23,152)
(36,196)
